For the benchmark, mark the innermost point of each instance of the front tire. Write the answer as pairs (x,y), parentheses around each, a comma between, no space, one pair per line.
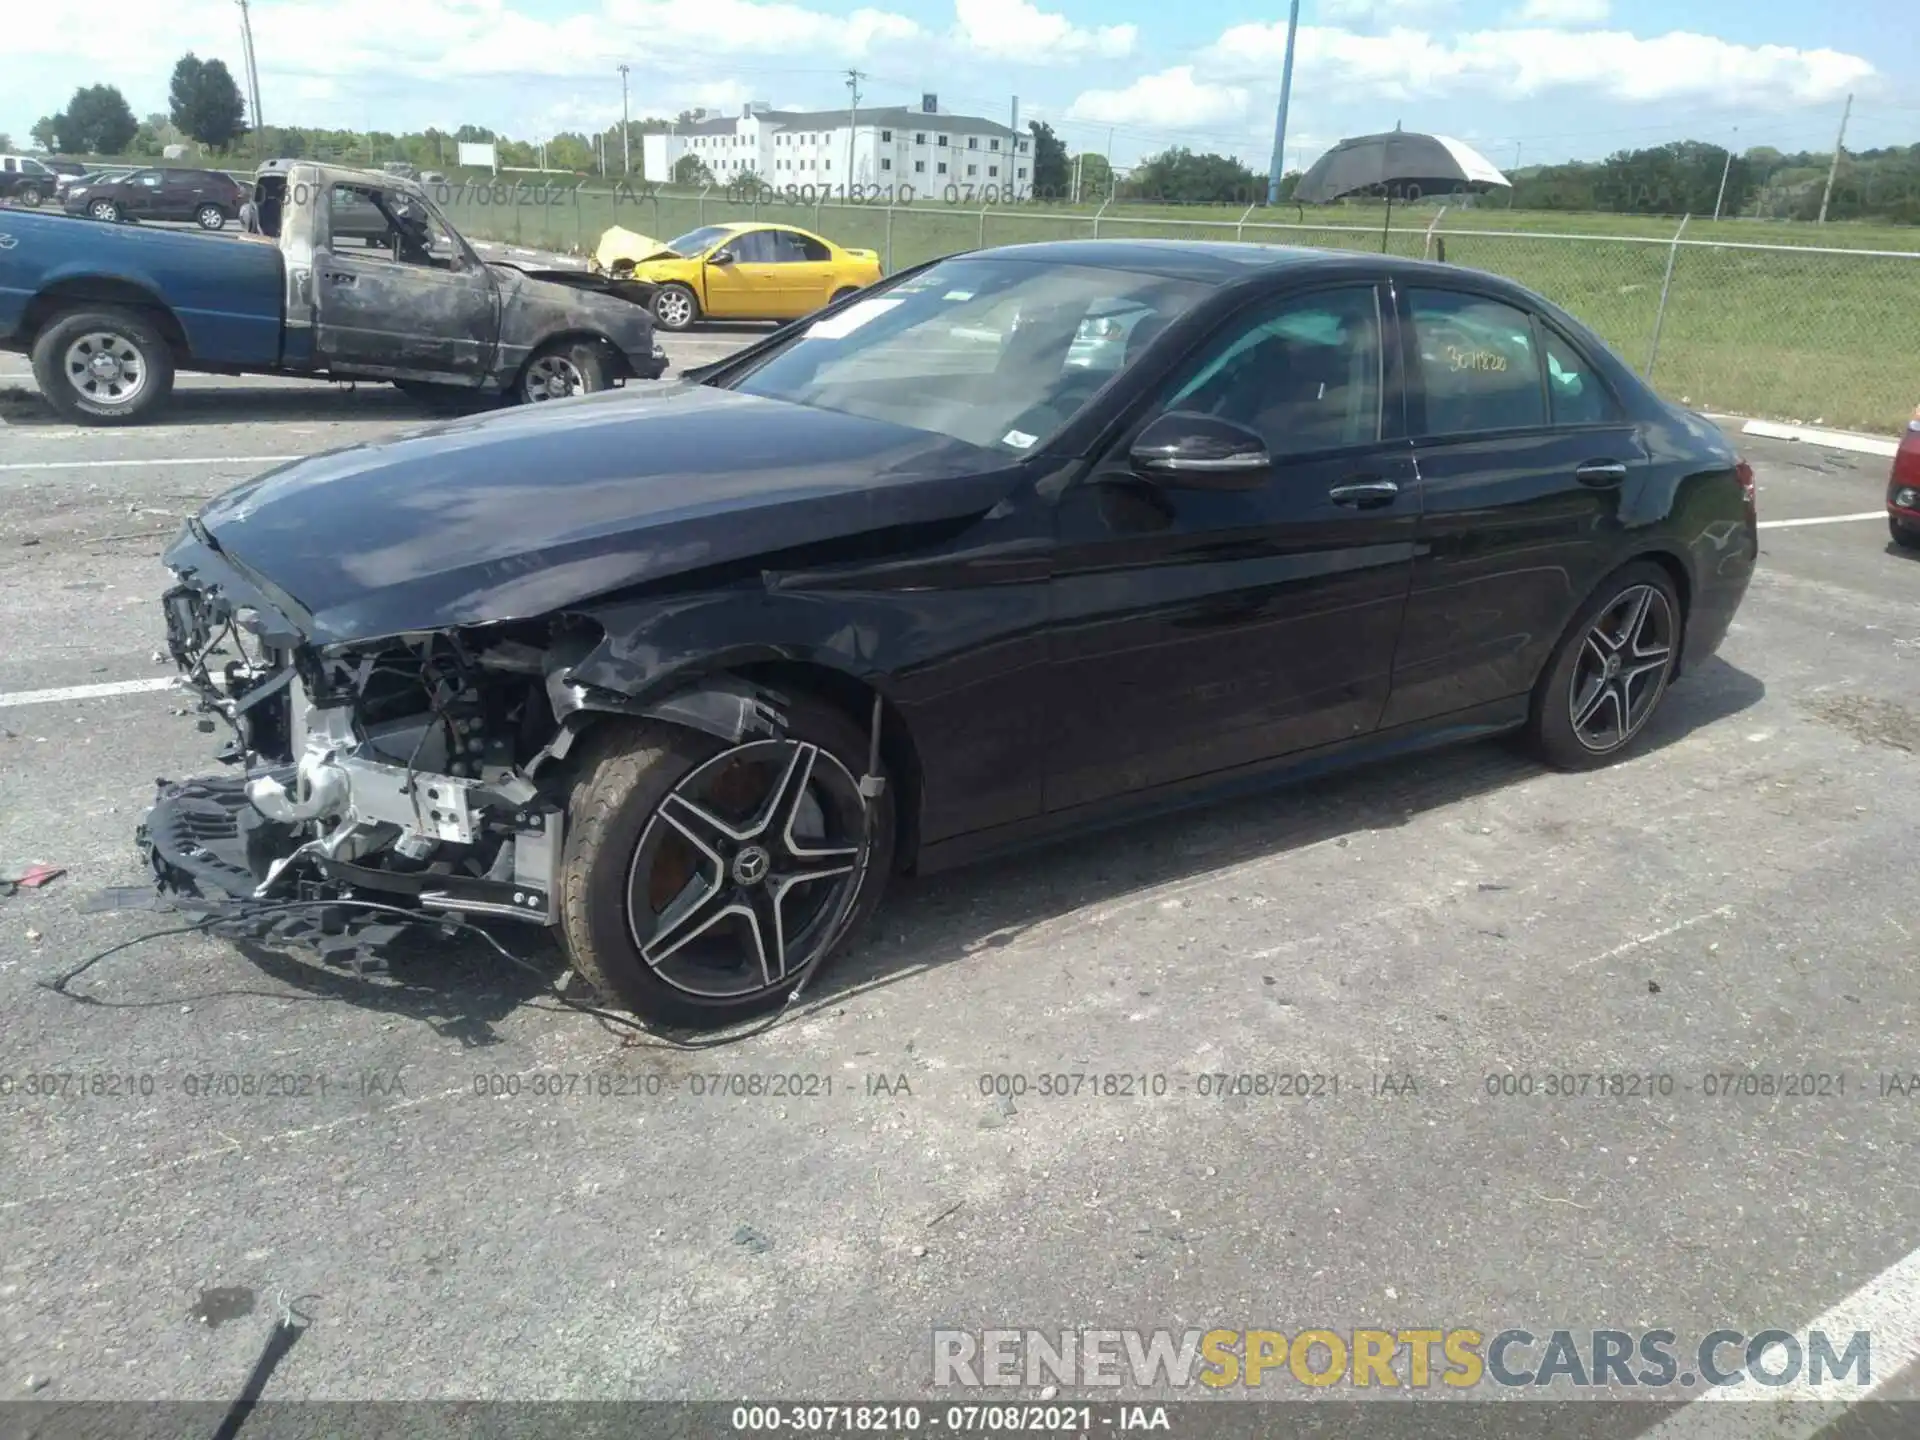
(1609,672)
(211,217)
(674,307)
(1903,534)
(701,881)
(563,370)
(105,366)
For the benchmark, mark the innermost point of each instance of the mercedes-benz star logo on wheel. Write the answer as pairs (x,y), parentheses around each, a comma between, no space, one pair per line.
(750,866)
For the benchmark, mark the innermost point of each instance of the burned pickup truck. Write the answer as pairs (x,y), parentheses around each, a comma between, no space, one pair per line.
(110,312)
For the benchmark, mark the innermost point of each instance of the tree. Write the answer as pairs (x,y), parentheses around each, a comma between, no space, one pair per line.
(1051,177)
(205,103)
(691,170)
(46,131)
(1180,177)
(6,142)
(97,121)
(1096,174)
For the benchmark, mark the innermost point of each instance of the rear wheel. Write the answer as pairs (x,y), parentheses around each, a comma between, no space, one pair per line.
(842,294)
(30,196)
(1904,535)
(211,217)
(675,307)
(106,210)
(104,366)
(1610,670)
(701,880)
(562,370)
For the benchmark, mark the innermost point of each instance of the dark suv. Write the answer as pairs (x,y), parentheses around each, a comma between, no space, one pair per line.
(208,197)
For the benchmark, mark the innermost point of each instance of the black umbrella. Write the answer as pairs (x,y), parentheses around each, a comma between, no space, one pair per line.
(1400,164)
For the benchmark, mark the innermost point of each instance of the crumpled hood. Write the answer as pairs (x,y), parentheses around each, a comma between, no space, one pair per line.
(617,244)
(522,512)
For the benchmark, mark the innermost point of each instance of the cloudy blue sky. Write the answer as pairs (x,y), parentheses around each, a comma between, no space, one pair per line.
(1543,79)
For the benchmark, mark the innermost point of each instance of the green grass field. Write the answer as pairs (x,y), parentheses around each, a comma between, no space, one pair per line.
(1787,333)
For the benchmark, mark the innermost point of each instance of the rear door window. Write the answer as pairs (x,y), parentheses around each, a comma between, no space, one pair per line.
(1478,365)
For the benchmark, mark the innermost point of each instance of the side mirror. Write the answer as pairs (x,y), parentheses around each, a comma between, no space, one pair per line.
(720,257)
(1191,451)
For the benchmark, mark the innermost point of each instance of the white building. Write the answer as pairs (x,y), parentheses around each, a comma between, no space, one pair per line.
(895,152)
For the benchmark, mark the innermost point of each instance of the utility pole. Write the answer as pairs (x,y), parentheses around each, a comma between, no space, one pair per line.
(1725,170)
(1013,160)
(253,77)
(1516,173)
(1280,117)
(1834,169)
(626,128)
(854,77)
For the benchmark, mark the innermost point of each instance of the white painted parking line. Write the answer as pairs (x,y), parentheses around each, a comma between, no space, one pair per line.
(169,460)
(1823,520)
(85,692)
(1887,1307)
(1831,439)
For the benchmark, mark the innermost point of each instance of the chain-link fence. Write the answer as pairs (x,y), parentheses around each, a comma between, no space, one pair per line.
(1795,332)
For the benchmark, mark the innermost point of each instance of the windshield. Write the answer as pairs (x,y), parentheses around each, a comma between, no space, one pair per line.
(1000,353)
(696,242)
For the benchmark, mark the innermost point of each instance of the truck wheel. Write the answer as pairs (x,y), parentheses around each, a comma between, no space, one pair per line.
(701,880)
(107,366)
(674,307)
(211,217)
(30,196)
(105,210)
(563,369)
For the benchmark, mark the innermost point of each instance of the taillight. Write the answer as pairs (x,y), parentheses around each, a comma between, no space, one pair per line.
(1906,460)
(1749,492)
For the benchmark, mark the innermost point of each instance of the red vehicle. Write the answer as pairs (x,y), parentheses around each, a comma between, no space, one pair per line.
(1903,489)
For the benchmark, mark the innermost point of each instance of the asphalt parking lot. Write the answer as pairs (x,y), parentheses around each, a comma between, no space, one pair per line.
(1738,898)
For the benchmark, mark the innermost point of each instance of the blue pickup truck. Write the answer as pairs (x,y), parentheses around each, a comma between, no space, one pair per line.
(109,312)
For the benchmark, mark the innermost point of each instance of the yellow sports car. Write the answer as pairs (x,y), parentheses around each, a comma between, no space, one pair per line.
(739,271)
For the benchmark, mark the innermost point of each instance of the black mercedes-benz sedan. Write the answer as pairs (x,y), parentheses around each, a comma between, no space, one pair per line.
(1013,543)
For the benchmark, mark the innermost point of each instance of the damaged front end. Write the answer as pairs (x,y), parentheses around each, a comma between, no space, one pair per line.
(384,781)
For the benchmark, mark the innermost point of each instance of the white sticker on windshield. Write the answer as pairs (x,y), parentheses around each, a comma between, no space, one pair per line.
(958,295)
(838,327)
(1019,439)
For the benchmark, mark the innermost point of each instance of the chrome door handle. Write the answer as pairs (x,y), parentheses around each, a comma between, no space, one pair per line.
(1364,494)
(1601,472)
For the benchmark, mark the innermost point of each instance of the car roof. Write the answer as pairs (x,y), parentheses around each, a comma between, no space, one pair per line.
(1229,262)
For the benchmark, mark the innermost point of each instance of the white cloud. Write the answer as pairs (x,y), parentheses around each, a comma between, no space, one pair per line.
(1518,64)
(1019,31)
(383,64)
(1172,99)
(1562,12)
(1377,12)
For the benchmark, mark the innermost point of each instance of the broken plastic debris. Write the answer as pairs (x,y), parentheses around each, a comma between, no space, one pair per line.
(32,877)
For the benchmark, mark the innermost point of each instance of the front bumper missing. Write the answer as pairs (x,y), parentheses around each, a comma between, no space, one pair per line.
(327,833)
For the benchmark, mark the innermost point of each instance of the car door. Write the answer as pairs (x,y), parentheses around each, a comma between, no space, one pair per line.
(1524,456)
(175,198)
(746,284)
(428,311)
(1199,630)
(141,194)
(810,278)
